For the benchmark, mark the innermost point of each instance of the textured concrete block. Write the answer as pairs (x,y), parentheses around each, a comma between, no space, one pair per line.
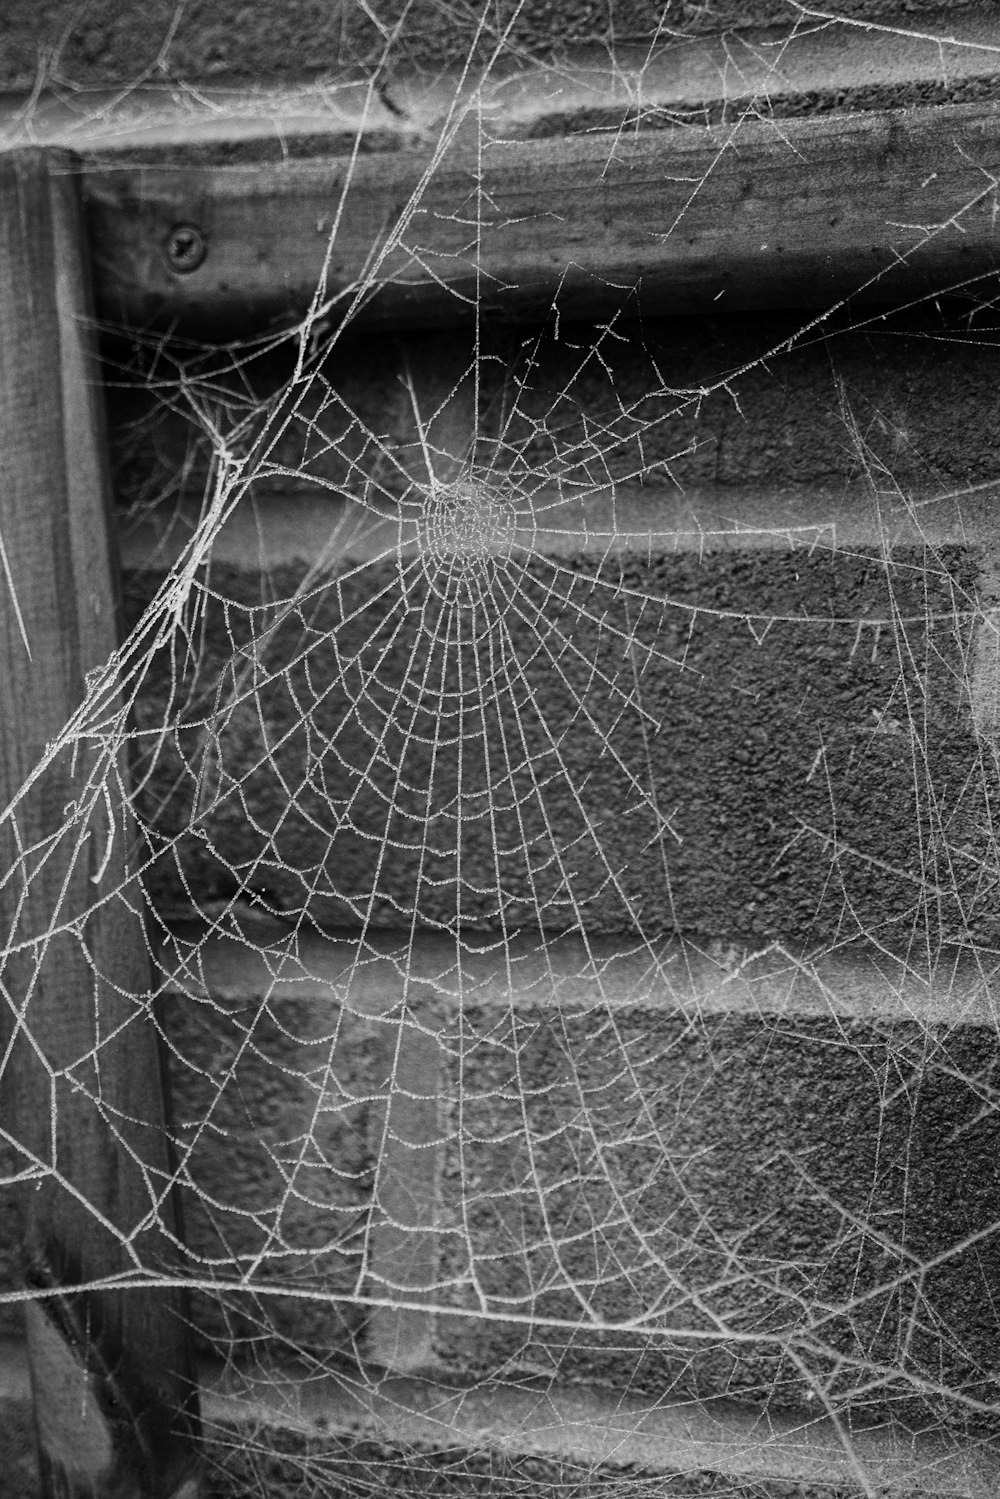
(788,1207)
(306,1089)
(766,744)
(271,1097)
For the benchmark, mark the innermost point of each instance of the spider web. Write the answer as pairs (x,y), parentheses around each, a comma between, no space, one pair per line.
(563,777)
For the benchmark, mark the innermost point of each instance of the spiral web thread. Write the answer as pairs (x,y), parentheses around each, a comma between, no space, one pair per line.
(477,973)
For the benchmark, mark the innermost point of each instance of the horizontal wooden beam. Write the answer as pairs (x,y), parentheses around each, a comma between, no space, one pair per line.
(876,207)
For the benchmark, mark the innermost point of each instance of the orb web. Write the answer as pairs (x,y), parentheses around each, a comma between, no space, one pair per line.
(569,875)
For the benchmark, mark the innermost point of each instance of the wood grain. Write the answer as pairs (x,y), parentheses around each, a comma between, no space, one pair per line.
(874,206)
(114,1403)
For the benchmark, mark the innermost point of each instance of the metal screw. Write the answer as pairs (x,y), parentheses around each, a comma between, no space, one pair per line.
(185,248)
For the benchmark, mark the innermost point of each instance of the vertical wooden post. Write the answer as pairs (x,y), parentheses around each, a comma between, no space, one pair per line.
(112,1372)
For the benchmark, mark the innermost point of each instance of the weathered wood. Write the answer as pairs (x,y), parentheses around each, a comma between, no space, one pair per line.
(115,1403)
(877,206)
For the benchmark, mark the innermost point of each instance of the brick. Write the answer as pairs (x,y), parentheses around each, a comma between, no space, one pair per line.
(813,779)
(271,1094)
(716,1179)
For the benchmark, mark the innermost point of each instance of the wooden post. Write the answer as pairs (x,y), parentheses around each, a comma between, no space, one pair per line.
(112,1372)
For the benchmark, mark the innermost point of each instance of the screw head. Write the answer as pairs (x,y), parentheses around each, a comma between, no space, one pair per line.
(185,248)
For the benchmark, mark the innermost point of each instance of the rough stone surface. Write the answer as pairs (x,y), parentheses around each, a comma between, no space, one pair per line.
(269,1105)
(785,1178)
(740,800)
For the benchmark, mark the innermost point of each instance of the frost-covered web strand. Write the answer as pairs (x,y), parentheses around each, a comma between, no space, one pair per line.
(429,895)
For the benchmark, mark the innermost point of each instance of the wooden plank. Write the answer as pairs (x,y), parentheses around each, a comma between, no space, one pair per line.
(878,206)
(115,1403)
